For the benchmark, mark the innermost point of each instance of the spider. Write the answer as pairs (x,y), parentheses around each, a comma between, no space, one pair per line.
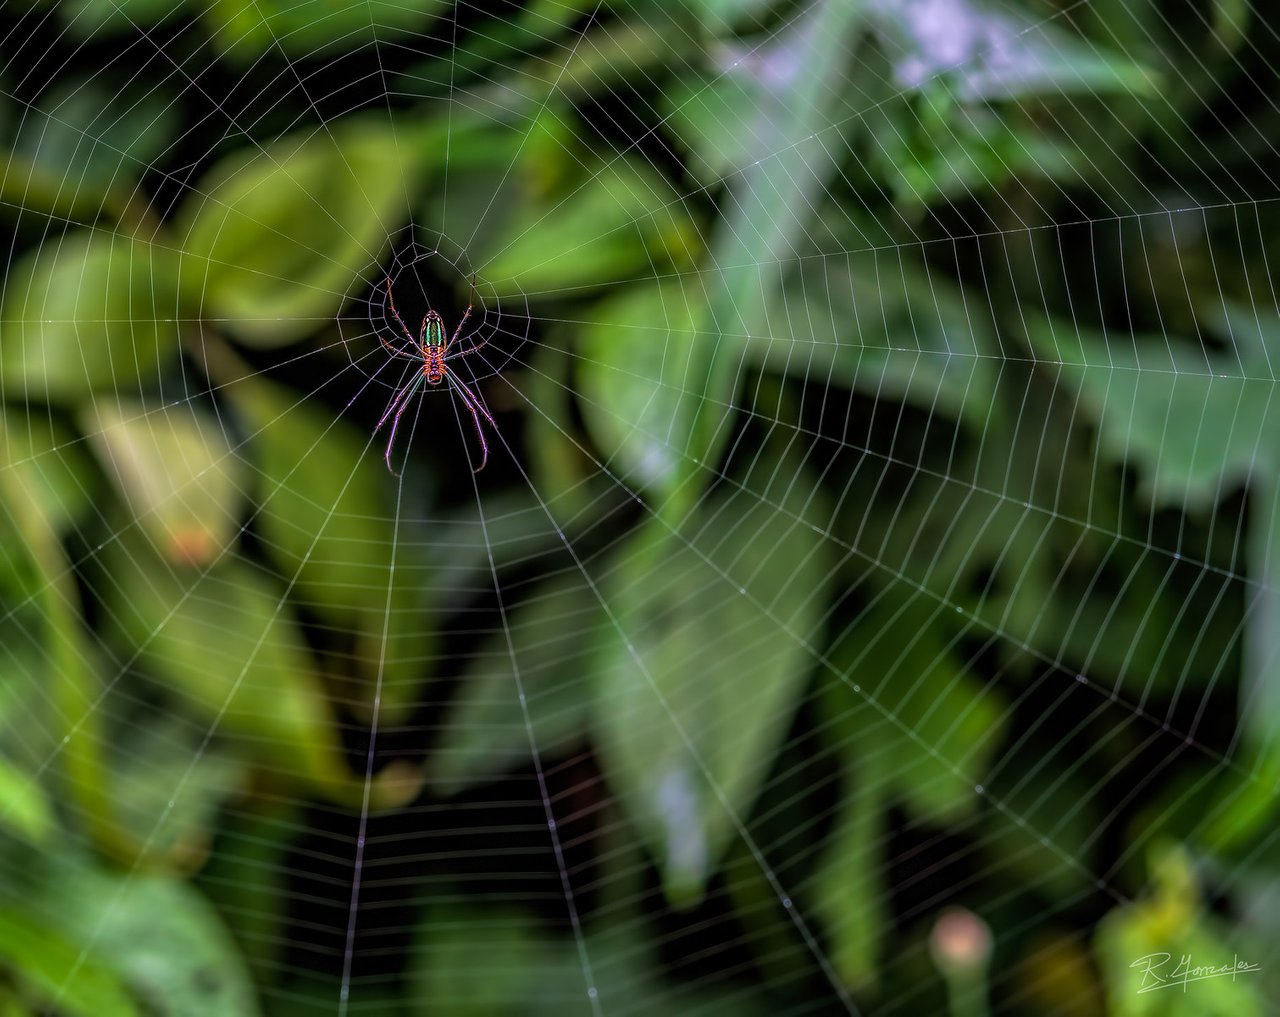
(431,350)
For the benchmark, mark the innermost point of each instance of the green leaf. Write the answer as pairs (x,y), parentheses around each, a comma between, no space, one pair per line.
(850,892)
(154,933)
(21,579)
(514,530)
(965,119)
(327,522)
(310,29)
(274,239)
(484,967)
(1251,333)
(24,808)
(1231,21)
(1172,920)
(1260,691)
(87,311)
(140,787)
(547,68)
(174,470)
(887,328)
(247,875)
(1254,338)
(624,221)
(697,682)
(66,663)
(1194,424)
(491,963)
(221,642)
(708,117)
(719,16)
(926,146)
(323,497)
(86,19)
(49,970)
(770,207)
(1225,813)
(168,942)
(487,731)
(48,463)
(484,197)
(558,456)
(82,151)
(635,354)
(928,728)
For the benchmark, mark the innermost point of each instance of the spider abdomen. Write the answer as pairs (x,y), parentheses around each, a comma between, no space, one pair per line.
(433,365)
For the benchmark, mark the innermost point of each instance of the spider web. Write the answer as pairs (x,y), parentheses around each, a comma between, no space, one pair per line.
(868,604)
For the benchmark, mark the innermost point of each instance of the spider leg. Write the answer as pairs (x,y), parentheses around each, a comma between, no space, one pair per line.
(403,398)
(473,396)
(395,351)
(396,314)
(401,394)
(463,320)
(458,331)
(471,349)
(472,402)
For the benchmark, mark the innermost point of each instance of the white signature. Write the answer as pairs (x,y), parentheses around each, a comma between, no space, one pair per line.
(1157,973)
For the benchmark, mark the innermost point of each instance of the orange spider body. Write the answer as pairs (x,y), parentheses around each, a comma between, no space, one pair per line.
(432,349)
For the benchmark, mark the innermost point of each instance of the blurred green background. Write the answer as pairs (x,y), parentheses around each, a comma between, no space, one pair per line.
(869,604)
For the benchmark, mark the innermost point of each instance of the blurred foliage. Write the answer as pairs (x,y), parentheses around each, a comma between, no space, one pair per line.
(889,482)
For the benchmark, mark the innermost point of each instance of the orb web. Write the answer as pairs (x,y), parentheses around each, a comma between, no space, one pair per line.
(868,601)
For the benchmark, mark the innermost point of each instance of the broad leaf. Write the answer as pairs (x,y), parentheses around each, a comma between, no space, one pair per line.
(89,19)
(916,720)
(329,526)
(635,356)
(248,876)
(1196,424)
(622,221)
(63,669)
(222,643)
(83,150)
(139,777)
(273,240)
(1142,946)
(25,810)
(967,119)
(311,29)
(1260,692)
(706,649)
(882,325)
(49,969)
(770,206)
(154,934)
(87,311)
(453,970)
(176,472)
(55,471)
(851,893)
(488,730)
